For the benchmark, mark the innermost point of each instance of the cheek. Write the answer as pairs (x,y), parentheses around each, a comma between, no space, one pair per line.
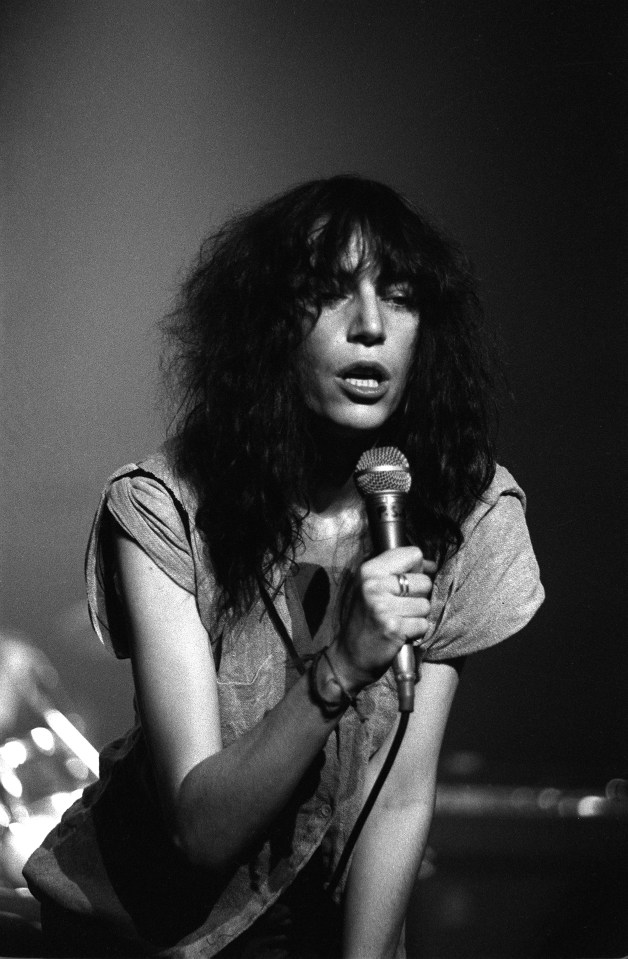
(408,350)
(309,374)
(317,357)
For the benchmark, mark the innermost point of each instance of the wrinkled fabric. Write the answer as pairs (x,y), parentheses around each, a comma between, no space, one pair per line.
(110,857)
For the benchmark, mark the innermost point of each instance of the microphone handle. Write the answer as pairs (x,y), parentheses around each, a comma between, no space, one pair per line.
(386,513)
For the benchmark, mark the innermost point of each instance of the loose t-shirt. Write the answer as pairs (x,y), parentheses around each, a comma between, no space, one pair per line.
(111,857)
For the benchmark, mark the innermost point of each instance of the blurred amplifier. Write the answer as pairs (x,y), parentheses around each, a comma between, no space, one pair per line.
(523,872)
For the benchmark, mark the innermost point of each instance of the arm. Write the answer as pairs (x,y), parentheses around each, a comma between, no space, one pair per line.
(389,851)
(217,801)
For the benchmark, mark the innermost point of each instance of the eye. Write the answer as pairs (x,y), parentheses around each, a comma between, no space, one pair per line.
(399,296)
(332,299)
(333,294)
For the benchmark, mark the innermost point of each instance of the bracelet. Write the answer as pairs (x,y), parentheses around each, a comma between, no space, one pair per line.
(329,708)
(351,700)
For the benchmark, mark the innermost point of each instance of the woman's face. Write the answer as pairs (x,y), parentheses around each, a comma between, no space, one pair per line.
(357,356)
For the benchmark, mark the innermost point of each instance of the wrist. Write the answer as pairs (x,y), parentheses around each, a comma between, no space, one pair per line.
(353,677)
(328,690)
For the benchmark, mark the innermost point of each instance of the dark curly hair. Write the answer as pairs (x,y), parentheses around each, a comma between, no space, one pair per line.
(243,436)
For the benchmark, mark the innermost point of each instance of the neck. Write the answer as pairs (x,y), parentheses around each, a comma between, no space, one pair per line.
(332,488)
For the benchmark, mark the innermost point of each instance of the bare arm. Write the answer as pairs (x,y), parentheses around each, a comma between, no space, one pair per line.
(389,851)
(216,801)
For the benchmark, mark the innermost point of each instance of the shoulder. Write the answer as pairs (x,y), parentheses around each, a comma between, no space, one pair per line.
(153,479)
(154,508)
(161,466)
(502,487)
(490,588)
(496,529)
(504,482)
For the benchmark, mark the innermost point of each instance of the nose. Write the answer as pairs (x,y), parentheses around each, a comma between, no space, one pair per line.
(367,321)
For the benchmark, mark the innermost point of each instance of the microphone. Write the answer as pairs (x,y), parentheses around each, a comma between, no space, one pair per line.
(382,476)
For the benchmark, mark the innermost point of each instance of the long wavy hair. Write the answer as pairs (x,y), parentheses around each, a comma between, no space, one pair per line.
(242,436)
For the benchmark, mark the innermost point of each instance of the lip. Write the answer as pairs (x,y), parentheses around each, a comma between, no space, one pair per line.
(366,370)
(375,381)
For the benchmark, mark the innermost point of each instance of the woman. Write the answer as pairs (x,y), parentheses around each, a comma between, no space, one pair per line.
(235,570)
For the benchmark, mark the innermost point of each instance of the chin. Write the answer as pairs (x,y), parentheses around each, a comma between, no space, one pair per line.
(360,422)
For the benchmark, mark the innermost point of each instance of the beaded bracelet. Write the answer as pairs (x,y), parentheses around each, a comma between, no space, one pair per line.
(330,709)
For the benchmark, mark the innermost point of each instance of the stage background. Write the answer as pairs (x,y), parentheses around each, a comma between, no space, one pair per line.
(129,130)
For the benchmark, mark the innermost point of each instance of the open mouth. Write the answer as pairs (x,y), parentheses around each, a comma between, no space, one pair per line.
(361,381)
(371,373)
(364,380)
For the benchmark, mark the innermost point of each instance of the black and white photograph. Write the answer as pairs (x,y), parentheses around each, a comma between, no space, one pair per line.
(313,422)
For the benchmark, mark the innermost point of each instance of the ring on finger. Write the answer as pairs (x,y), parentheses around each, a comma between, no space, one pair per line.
(404,585)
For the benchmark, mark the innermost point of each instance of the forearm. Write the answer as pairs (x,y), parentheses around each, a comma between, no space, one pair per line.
(383,871)
(228,799)
(217,801)
(390,849)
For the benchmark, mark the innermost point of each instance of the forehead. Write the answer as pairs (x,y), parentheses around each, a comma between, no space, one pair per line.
(362,258)
(345,248)
(355,253)
(357,257)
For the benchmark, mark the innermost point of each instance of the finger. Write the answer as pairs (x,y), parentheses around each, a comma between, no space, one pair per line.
(410,584)
(429,566)
(413,607)
(403,559)
(415,627)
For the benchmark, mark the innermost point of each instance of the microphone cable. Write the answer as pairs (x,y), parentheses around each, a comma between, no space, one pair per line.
(370,801)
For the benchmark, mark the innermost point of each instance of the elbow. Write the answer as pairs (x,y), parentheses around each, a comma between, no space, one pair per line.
(190,850)
(209,829)
(203,852)
(197,830)
(204,843)
(203,855)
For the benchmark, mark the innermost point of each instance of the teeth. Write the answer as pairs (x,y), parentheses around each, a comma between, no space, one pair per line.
(362,382)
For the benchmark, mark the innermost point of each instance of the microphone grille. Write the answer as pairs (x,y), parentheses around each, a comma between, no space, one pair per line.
(383,470)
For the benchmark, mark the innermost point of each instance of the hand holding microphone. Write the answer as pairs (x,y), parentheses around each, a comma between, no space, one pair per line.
(391,599)
(383,478)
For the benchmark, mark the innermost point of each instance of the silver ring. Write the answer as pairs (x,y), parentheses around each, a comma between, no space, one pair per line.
(404,585)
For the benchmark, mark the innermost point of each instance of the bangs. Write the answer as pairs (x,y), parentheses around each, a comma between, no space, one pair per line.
(370,228)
